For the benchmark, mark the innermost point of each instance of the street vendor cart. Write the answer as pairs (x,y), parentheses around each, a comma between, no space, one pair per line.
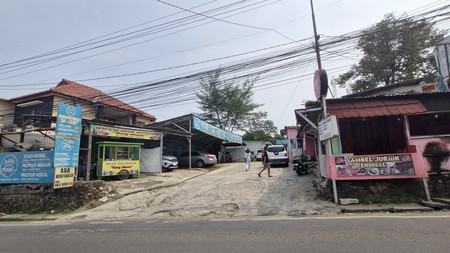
(120,159)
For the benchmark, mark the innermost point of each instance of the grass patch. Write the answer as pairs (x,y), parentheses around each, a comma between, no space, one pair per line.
(26,219)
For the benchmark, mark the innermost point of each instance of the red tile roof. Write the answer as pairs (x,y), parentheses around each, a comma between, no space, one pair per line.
(375,108)
(80,91)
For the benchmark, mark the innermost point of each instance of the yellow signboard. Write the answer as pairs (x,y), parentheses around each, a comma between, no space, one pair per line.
(125,132)
(112,168)
(64,177)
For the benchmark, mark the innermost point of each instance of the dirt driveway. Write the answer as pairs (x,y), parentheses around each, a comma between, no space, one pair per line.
(226,191)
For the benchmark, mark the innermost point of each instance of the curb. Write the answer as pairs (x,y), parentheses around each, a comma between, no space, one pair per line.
(385,208)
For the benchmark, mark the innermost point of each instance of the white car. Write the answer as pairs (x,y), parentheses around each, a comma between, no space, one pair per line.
(278,155)
(259,153)
(169,162)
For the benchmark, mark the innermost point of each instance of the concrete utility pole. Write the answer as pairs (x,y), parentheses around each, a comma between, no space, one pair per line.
(316,37)
(322,99)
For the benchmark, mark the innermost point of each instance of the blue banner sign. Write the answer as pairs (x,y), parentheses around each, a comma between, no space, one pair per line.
(26,167)
(68,131)
(66,153)
(207,128)
(281,142)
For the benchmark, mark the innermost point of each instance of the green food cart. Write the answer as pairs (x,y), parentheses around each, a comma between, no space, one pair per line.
(120,159)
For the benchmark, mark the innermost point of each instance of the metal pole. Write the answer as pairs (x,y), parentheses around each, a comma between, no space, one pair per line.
(427,189)
(190,141)
(88,165)
(316,37)
(161,145)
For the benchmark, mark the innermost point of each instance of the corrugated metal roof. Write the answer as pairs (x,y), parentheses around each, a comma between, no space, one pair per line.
(374,108)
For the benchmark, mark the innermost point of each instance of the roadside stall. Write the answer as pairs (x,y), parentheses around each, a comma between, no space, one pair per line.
(106,145)
(368,139)
(121,159)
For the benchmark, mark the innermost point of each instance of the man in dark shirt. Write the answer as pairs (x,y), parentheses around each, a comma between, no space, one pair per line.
(265,162)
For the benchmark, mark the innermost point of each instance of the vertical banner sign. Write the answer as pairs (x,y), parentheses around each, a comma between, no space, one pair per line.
(67,144)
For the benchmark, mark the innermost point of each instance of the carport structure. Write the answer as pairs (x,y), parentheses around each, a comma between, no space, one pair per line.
(198,135)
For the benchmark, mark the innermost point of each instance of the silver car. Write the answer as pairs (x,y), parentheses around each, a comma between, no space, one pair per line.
(198,158)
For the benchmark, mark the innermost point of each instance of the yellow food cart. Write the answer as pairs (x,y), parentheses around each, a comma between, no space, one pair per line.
(120,159)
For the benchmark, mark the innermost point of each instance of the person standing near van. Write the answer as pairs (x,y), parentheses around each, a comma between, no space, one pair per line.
(248,159)
(265,162)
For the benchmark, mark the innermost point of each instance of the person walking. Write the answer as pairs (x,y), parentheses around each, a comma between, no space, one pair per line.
(265,162)
(248,159)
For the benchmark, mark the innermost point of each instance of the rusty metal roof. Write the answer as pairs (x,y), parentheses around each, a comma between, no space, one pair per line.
(374,108)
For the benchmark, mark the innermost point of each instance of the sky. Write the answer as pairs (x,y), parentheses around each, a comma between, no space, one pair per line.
(152,54)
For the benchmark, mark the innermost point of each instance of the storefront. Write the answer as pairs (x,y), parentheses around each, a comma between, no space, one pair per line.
(381,137)
(117,150)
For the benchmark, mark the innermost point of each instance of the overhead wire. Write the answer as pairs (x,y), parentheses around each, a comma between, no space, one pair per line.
(258,66)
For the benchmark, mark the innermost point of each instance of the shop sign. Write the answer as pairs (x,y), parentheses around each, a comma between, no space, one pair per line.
(33,167)
(328,128)
(64,177)
(112,168)
(392,165)
(124,132)
(207,128)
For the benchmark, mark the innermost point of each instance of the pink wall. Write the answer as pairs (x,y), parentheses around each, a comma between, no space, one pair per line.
(435,151)
(310,147)
(291,134)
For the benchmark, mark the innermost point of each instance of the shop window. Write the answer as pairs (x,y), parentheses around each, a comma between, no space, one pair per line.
(429,124)
(122,153)
(134,153)
(110,153)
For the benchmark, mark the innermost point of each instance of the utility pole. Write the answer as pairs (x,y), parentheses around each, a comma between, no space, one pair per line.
(322,98)
(316,37)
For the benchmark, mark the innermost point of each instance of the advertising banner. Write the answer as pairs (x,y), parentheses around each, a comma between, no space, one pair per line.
(124,132)
(68,131)
(26,167)
(375,166)
(64,177)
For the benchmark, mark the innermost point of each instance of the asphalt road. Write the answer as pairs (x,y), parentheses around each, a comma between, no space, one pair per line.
(408,234)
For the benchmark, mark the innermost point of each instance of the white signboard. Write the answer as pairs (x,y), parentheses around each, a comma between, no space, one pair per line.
(328,128)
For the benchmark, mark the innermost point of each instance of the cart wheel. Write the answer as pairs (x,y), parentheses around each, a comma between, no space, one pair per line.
(123,174)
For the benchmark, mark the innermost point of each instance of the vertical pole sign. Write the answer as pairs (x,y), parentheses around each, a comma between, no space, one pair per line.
(67,144)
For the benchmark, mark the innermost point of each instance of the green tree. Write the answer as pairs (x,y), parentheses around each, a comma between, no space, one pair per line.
(395,49)
(258,128)
(226,103)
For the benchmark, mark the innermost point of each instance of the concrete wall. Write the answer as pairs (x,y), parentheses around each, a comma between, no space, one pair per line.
(27,198)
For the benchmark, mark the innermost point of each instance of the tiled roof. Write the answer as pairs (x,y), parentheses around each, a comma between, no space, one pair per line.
(80,91)
(375,108)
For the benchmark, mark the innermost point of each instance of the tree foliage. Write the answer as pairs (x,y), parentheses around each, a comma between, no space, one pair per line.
(395,49)
(258,128)
(226,103)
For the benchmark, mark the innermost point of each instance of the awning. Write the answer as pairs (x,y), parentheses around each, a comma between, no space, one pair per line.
(374,108)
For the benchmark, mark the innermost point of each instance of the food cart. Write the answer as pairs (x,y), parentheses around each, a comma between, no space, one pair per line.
(120,159)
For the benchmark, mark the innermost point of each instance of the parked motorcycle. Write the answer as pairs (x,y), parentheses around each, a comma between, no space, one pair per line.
(300,165)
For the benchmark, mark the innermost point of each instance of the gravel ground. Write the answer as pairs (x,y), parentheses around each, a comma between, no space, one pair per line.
(223,191)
